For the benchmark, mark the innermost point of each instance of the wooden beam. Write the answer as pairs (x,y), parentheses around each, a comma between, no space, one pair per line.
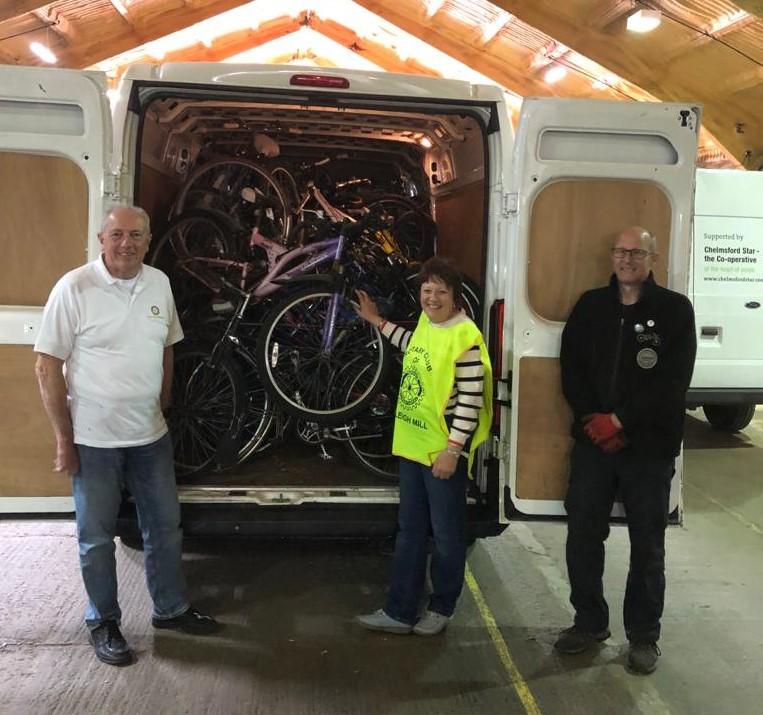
(754,7)
(13,8)
(449,38)
(607,13)
(633,58)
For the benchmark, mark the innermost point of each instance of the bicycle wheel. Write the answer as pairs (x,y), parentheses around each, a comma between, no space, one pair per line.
(370,437)
(194,235)
(241,189)
(259,413)
(308,382)
(288,184)
(208,402)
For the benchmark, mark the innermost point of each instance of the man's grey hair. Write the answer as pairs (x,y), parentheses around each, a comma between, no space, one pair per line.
(137,209)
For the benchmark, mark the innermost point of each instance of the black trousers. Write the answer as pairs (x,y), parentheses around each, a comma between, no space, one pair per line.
(643,483)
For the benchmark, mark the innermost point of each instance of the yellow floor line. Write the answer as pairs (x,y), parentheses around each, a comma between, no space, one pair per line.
(517,681)
(732,512)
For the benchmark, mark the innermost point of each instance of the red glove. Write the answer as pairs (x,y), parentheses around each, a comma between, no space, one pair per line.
(614,444)
(600,427)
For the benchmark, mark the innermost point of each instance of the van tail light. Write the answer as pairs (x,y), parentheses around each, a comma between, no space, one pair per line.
(319,80)
(496,344)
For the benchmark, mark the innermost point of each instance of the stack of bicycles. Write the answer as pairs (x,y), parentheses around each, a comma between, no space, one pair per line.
(265,287)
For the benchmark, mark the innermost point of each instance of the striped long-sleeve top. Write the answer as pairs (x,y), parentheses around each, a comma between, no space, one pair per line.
(466,397)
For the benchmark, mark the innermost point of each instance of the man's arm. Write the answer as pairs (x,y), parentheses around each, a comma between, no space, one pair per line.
(573,358)
(50,379)
(168,363)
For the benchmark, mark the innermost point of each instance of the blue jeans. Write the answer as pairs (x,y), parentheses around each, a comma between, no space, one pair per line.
(148,473)
(439,505)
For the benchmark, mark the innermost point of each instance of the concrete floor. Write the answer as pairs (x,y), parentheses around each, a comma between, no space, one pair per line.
(290,647)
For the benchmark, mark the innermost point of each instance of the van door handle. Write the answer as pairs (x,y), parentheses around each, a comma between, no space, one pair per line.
(752,304)
(709,332)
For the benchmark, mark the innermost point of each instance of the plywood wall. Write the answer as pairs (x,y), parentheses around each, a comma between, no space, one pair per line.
(43,231)
(27,445)
(573,226)
(460,218)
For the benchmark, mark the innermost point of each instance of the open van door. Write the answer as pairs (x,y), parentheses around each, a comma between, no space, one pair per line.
(55,145)
(582,171)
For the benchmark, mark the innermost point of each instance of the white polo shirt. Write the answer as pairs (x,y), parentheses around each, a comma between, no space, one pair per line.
(111,333)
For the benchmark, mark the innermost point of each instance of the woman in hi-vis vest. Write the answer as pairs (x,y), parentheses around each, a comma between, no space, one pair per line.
(443,414)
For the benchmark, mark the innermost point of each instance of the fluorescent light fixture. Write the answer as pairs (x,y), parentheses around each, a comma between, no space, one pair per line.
(43,52)
(120,7)
(554,74)
(644,20)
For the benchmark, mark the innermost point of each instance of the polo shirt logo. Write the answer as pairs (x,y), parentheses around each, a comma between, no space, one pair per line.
(155,310)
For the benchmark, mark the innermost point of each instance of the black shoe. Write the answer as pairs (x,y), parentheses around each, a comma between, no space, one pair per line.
(574,640)
(642,658)
(190,621)
(110,645)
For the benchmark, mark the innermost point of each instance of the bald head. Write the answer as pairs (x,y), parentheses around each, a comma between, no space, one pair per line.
(639,233)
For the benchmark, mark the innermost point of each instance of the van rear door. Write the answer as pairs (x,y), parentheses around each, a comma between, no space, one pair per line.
(582,171)
(55,142)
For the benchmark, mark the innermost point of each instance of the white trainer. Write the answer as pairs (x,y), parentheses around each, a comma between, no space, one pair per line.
(431,624)
(380,621)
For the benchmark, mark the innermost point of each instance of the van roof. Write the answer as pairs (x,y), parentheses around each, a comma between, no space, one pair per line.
(278,77)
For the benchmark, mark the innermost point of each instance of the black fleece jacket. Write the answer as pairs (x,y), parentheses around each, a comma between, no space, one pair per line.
(633,360)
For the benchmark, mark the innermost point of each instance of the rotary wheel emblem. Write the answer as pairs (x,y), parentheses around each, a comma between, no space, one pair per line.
(411,390)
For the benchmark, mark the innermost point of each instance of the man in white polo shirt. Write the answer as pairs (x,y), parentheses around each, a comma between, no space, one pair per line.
(104,368)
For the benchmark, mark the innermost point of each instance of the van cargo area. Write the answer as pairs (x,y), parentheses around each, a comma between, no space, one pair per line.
(355,152)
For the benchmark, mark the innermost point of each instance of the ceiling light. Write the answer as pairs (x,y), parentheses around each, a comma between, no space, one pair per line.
(43,52)
(554,74)
(644,20)
(426,142)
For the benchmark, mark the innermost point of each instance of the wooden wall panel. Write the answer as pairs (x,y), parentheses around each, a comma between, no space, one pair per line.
(44,228)
(27,444)
(157,192)
(543,439)
(460,225)
(573,226)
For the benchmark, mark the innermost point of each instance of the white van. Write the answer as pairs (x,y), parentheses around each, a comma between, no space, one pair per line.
(529,218)
(726,288)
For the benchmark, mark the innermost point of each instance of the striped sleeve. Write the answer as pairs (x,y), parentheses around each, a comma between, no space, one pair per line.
(399,337)
(469,383)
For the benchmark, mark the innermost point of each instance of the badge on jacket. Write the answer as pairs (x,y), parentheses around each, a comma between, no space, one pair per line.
(646,358)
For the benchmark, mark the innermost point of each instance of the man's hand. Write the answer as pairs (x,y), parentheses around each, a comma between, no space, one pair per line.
(67,458)
(445,465)
(602,426)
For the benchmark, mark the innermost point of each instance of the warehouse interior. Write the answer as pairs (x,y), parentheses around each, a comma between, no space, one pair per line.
(286,599)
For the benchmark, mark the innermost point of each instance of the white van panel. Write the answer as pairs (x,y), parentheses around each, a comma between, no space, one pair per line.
(63,113)
(560,140)
(727,288)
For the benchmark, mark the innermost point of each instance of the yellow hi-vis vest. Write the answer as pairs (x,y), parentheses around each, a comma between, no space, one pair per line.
(429,371)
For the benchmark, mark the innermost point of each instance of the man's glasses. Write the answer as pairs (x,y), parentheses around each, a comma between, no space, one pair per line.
(637,254)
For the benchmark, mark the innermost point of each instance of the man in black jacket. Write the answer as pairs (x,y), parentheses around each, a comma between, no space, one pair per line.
(627,357)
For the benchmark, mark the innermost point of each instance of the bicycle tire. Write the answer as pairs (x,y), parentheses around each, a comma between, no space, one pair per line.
(276,228)
(371,452)
(208,401)
(212,239)
(259,413)
(307,384)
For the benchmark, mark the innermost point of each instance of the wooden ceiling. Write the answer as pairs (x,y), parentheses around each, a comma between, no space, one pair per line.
(705,51)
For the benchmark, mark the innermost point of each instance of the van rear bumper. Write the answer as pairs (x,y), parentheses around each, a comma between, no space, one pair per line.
(304,521)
